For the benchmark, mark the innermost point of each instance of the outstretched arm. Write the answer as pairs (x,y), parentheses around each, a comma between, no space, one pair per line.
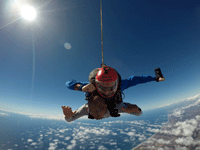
(71,116)
(75,85)
(80,86)
(134,80)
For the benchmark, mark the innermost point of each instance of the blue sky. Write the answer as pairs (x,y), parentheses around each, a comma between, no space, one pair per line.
(138,37)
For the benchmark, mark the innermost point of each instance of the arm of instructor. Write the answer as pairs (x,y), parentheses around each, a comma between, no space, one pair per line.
(87,88)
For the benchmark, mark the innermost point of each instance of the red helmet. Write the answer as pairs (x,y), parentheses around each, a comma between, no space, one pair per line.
(106,81)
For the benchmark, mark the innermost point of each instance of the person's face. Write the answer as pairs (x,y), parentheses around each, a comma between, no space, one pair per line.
(107,89)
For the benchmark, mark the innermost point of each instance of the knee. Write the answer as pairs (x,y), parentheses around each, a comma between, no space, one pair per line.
(140,113)
(137,109)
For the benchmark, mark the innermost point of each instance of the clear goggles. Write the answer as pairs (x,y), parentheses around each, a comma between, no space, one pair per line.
(107,89)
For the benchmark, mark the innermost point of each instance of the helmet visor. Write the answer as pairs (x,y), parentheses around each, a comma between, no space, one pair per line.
(107,89)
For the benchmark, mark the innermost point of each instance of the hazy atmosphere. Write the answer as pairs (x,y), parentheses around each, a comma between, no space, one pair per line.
(45,43)
(63,42)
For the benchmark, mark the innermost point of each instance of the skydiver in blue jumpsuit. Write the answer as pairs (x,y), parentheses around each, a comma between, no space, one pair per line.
(105,83)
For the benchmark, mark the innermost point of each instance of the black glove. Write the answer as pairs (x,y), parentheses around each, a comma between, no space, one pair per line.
(111,107)
(114,113)
(158,74)
(90,116)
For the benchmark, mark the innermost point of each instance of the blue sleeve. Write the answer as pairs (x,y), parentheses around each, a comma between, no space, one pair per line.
(134,80)
(71,83)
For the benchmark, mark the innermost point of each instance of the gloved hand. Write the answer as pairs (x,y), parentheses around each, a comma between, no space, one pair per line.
(159,75)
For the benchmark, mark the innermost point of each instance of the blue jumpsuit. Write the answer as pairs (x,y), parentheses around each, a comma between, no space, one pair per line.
(125,83)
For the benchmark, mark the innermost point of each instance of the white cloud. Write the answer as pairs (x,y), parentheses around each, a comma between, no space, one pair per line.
(56,140)
(82,140)
(81,147)
(151,147)
(133,130)
(118,121)
(29,140)
(177,113)
(52,146)
(126,140)
(150,141)
(174,132)
(84,132)
(67,138)
(101,147)
(114,133)
(185,141)
(131,133)
(39,140)
(184,131)
(4,114)
(34,143)
(63,130)
(61,136)
(142,138)
(180,148)
(126,129)
(198,118)
(49,132)
(162,141)
(121,131)
(72,145)
(91,143)
(92,147)
(152,130)
(73,141)
(186,128)
(113,143)
(153,125)
(136,122)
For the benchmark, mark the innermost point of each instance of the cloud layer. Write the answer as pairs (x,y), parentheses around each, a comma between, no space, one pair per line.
(182,130)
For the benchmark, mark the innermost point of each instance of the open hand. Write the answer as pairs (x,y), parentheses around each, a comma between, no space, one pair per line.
(67,111)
